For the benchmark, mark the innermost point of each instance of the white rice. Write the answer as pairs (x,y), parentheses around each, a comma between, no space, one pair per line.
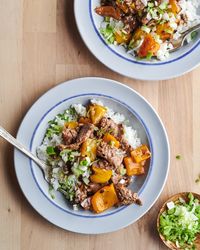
(41,150)
(80,109)
(131,136)
(96,101)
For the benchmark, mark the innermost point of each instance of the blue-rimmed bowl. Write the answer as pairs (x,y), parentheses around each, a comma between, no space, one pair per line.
(140,115)
(116,58)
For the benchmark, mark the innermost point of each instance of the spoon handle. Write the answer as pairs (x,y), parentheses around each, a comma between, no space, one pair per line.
(8,137)
(194,28)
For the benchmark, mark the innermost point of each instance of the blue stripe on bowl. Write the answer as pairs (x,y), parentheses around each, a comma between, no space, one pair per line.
(132,60)
(150,144)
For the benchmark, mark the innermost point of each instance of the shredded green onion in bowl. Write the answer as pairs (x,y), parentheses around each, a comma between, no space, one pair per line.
(180,222)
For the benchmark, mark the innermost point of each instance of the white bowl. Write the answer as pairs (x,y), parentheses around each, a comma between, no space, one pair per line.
(116,58)
(121,99)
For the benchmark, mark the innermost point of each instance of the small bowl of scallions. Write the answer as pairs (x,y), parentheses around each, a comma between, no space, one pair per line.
(178,222)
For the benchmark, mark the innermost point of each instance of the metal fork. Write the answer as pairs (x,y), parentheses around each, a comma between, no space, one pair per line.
(8,137)
(43,166)
(180,42)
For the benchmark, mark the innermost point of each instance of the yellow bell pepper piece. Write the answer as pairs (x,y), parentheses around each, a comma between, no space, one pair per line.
(110,139)
(141,153)
(164,31)
(104,199)
(138,34)
(89,148)
(133,168)
(71,124)
(120,37)
(175,8)
(84,120)
(96,112)
(100,175)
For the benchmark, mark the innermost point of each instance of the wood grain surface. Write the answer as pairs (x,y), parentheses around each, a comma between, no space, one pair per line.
(39,48)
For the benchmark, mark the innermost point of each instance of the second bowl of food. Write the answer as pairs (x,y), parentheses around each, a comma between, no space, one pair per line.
(132,37)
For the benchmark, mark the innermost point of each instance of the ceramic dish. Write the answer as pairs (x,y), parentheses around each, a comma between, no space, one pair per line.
(116,58)
(141,116)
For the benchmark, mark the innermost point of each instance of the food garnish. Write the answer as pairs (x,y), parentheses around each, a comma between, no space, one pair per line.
(180,222)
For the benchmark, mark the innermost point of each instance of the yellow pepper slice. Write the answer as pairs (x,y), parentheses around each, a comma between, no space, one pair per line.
(104,199)
(96,112)
(100,175)
(89,148)
(141,153)
(120,37)
(175,8)
(71,124)
(110,139)
(133,168)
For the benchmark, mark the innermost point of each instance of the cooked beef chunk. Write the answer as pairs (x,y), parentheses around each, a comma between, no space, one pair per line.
(125,146)
(130,23)
(85,132)
(104,164)
(109,11)
(126,196)
(93,187)
(80,194)
(69,135)
(124,180)
(74,146)
(108,3)
(116,178)
(113,155)
(109,126)
(120,134)
(86,204)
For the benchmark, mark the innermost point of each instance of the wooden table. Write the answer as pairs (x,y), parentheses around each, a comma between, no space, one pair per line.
(41,47)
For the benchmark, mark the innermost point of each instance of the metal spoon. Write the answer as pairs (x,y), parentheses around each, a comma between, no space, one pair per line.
(179,43)
(8,137)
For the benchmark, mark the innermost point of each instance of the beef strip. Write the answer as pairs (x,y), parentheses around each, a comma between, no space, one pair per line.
(124,180)
(86,203)
(80,194)
(73,139)
(69,135)
(126,196)
(104,164)
(93,187)
(85,132)
(108,3)
(125,146)
(109,126)
(130,23)
(116,178)
(74,146)
(113,155)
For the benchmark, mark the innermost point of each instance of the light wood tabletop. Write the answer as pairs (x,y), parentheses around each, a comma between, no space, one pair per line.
(40,47)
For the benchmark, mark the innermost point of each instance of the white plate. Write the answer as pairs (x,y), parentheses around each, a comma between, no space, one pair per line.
(141,116)
(115,57)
